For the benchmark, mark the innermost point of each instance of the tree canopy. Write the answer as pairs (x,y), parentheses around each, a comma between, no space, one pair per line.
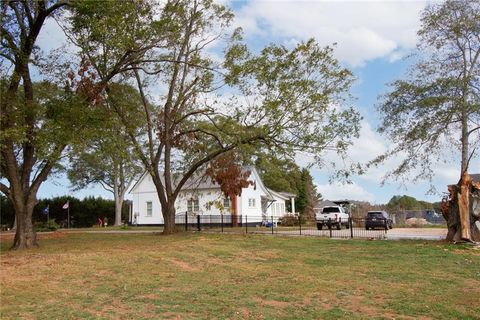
(437,107)
(285,175)
(286,100)
(191,91)
(407,203)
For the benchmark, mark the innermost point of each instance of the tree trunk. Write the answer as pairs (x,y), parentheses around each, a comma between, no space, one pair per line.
(118,211)
(118,196)
(168,213)
(233,199)
(25,235)
(461,210)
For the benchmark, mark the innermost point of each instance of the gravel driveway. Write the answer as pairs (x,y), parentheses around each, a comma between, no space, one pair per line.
(417,233)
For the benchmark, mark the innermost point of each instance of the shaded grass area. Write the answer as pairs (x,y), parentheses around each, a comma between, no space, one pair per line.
(208,276)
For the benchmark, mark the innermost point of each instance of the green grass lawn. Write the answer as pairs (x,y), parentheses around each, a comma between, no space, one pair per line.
(208,276)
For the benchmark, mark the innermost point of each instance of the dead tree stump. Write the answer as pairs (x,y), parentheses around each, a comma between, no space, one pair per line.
(461,210)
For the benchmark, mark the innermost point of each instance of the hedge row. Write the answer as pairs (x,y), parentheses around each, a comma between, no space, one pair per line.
(83,213)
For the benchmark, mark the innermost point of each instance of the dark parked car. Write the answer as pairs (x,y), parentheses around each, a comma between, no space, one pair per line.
(378,219)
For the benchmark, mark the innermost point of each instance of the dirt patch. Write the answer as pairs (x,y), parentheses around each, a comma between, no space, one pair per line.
(244,313)
(474,250)
(272,303)
(357,304)
(7,235)
(172,315)
(40,235)
(265,256)
(150,296)
(53,235)
(183,265)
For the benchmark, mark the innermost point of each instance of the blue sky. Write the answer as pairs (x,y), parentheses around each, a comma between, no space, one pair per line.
(372,38)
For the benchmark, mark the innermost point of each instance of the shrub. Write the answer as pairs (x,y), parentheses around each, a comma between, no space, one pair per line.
(290,220)
(51,225)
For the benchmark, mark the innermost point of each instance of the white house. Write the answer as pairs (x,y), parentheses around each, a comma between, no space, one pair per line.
(200,196)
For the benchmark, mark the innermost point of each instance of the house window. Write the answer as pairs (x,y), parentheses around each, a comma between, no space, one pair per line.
(192,205)
(251,202)
(149,208)
(226,203)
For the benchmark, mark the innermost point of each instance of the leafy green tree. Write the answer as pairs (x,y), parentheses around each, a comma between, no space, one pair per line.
(309,193)
(407,203)
(29,147)
(437,107)
(293,92)
(108,158)
(278,174)
(286,175)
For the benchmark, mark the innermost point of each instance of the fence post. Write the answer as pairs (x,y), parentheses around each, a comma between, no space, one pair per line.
(272,224)
(186,221)
(350,222)
(329,223)
(300,223)
(246,224)
(221,215)
(198,222)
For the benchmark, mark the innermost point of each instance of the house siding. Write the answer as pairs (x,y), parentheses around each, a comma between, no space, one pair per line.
(144,191)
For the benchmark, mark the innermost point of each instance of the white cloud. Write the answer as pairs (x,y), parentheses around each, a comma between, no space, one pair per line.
(52,37)
(369,145)
(338,191)
(363,31)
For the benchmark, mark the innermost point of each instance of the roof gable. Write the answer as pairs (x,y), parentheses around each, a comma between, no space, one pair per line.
(475,177)
(202,182)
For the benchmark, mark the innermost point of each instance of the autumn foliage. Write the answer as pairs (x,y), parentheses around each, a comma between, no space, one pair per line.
(226,172)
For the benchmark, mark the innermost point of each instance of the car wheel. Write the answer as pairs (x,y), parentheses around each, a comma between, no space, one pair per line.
(319,226)
(339,226)
(366,228)
(347,225)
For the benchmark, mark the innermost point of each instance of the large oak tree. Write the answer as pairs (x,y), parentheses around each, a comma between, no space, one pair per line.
(285,99)
(107,157)
(437,108)
(30,114)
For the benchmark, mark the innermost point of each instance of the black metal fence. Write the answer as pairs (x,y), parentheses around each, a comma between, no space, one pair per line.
(288,225)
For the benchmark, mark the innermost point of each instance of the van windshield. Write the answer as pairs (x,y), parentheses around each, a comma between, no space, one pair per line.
(331,209)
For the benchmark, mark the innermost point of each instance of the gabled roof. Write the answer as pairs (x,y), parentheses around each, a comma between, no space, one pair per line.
(144,174)
(475,177)
(199,181)
(195,182)
(281,195)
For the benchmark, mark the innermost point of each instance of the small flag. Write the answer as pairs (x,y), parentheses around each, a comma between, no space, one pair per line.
(66,205)
(46,210)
